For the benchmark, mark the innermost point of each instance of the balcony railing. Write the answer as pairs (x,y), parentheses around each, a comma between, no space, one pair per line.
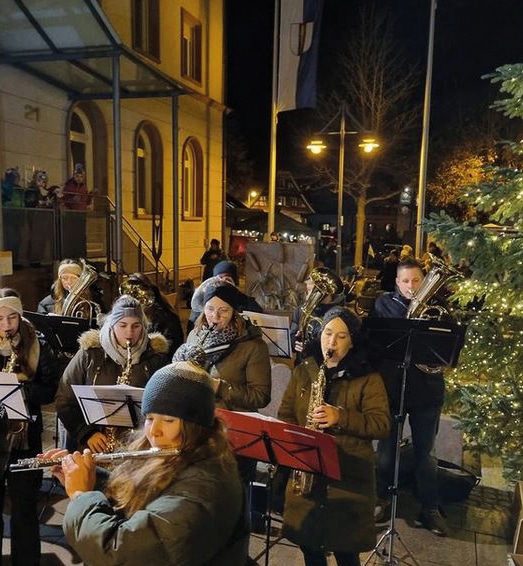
(40,236)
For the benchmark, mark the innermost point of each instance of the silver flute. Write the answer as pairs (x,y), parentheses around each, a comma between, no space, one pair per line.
(29,464)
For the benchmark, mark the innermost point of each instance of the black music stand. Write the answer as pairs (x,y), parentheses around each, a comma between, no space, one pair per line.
(61,332)
(110,405)
(418,342)
(256,436)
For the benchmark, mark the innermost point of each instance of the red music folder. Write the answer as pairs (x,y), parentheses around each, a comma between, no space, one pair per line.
(267,439)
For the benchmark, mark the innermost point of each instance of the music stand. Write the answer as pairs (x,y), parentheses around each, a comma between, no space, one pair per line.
(411,341)
(263,438)
(109,405)
(61,332)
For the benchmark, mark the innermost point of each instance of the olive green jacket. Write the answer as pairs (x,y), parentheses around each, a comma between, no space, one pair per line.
(338,515)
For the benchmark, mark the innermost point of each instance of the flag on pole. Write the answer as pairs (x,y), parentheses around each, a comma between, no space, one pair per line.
(298,53)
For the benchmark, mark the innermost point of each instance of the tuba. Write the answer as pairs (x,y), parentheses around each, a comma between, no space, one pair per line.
(325,283)
(439,275)
(138,290)
(75,303)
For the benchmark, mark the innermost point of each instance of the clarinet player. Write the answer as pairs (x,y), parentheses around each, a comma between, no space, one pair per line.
(24,352)
(352,405)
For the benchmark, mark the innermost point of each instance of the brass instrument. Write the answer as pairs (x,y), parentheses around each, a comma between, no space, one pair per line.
(12,362)
(325,283)
(302,481)
(138,290)
(75,304)
(123,379)
(439,275)
(29,464)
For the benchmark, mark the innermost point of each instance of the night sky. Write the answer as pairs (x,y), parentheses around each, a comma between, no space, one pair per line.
(472,38)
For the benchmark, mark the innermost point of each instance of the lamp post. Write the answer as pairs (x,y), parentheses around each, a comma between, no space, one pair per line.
(316,146)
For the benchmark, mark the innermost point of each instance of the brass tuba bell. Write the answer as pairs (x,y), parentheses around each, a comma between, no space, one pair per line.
(439,275)
(76,304)
(325,282)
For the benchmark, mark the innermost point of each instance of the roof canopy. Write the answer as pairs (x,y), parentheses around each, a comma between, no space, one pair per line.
(72,45)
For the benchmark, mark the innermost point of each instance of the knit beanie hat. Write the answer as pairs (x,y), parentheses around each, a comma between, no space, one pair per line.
(351,320)
(181,390)
(226,267)
(123,307)
(226,292)
(72,268)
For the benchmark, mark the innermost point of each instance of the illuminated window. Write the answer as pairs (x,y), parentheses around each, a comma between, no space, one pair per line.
(148,171)
(192,180)
(191,48)
(146,27)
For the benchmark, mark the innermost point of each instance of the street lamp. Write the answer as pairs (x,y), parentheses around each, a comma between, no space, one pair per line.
(316,146)
(253,195)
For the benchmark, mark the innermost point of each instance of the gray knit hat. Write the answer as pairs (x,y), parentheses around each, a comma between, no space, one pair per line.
(123,307)
(181,390)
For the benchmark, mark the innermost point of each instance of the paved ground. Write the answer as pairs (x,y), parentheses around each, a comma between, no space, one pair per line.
(481,532)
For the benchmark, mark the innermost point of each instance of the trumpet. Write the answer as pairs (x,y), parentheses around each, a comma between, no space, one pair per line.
(30,464)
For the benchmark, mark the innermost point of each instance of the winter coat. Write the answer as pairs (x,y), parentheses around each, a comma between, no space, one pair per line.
(91,365)
(422,390)
(209,259)
(245,371)
(166,322)
(39,390)
(338,515)
(200,519)
(46,305)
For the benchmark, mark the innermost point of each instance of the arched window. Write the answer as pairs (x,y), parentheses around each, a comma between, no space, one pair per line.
(148,171)
(81,143)
(192,179)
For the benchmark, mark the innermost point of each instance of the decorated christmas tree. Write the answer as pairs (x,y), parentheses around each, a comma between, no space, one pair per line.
(486,390)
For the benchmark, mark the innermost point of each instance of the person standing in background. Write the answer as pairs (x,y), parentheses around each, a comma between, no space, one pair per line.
(211,257)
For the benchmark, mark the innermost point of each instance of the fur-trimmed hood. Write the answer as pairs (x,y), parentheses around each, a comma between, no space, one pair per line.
(91,339)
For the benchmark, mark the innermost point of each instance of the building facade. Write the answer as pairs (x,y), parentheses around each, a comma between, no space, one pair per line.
(162,165)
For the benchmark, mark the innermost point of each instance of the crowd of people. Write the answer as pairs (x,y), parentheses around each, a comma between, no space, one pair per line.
(161,507)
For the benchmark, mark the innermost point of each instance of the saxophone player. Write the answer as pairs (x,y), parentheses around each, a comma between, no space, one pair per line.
(337,516)
(103,358)
(24,352)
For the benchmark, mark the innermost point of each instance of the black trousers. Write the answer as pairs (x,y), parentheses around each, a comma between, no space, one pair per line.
(25,529)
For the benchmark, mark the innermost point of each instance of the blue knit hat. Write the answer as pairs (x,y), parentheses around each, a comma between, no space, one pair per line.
(228,267)
(181,390)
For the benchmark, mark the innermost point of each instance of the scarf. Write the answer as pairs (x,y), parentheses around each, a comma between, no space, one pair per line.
(216,343)
(118,353)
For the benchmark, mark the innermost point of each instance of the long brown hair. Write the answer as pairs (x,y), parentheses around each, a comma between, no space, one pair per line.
(135,483)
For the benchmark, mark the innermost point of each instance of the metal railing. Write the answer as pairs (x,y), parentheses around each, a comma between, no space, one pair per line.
(44,235)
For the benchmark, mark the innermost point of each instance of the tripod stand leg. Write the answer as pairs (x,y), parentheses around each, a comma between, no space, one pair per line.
(383,551)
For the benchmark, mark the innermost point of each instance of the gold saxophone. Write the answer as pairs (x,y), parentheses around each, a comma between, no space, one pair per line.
(302,481)
(124,379)
(16,430)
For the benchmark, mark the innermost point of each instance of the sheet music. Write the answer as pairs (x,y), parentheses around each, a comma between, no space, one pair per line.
(275,332)
(108,404)
(12,398)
